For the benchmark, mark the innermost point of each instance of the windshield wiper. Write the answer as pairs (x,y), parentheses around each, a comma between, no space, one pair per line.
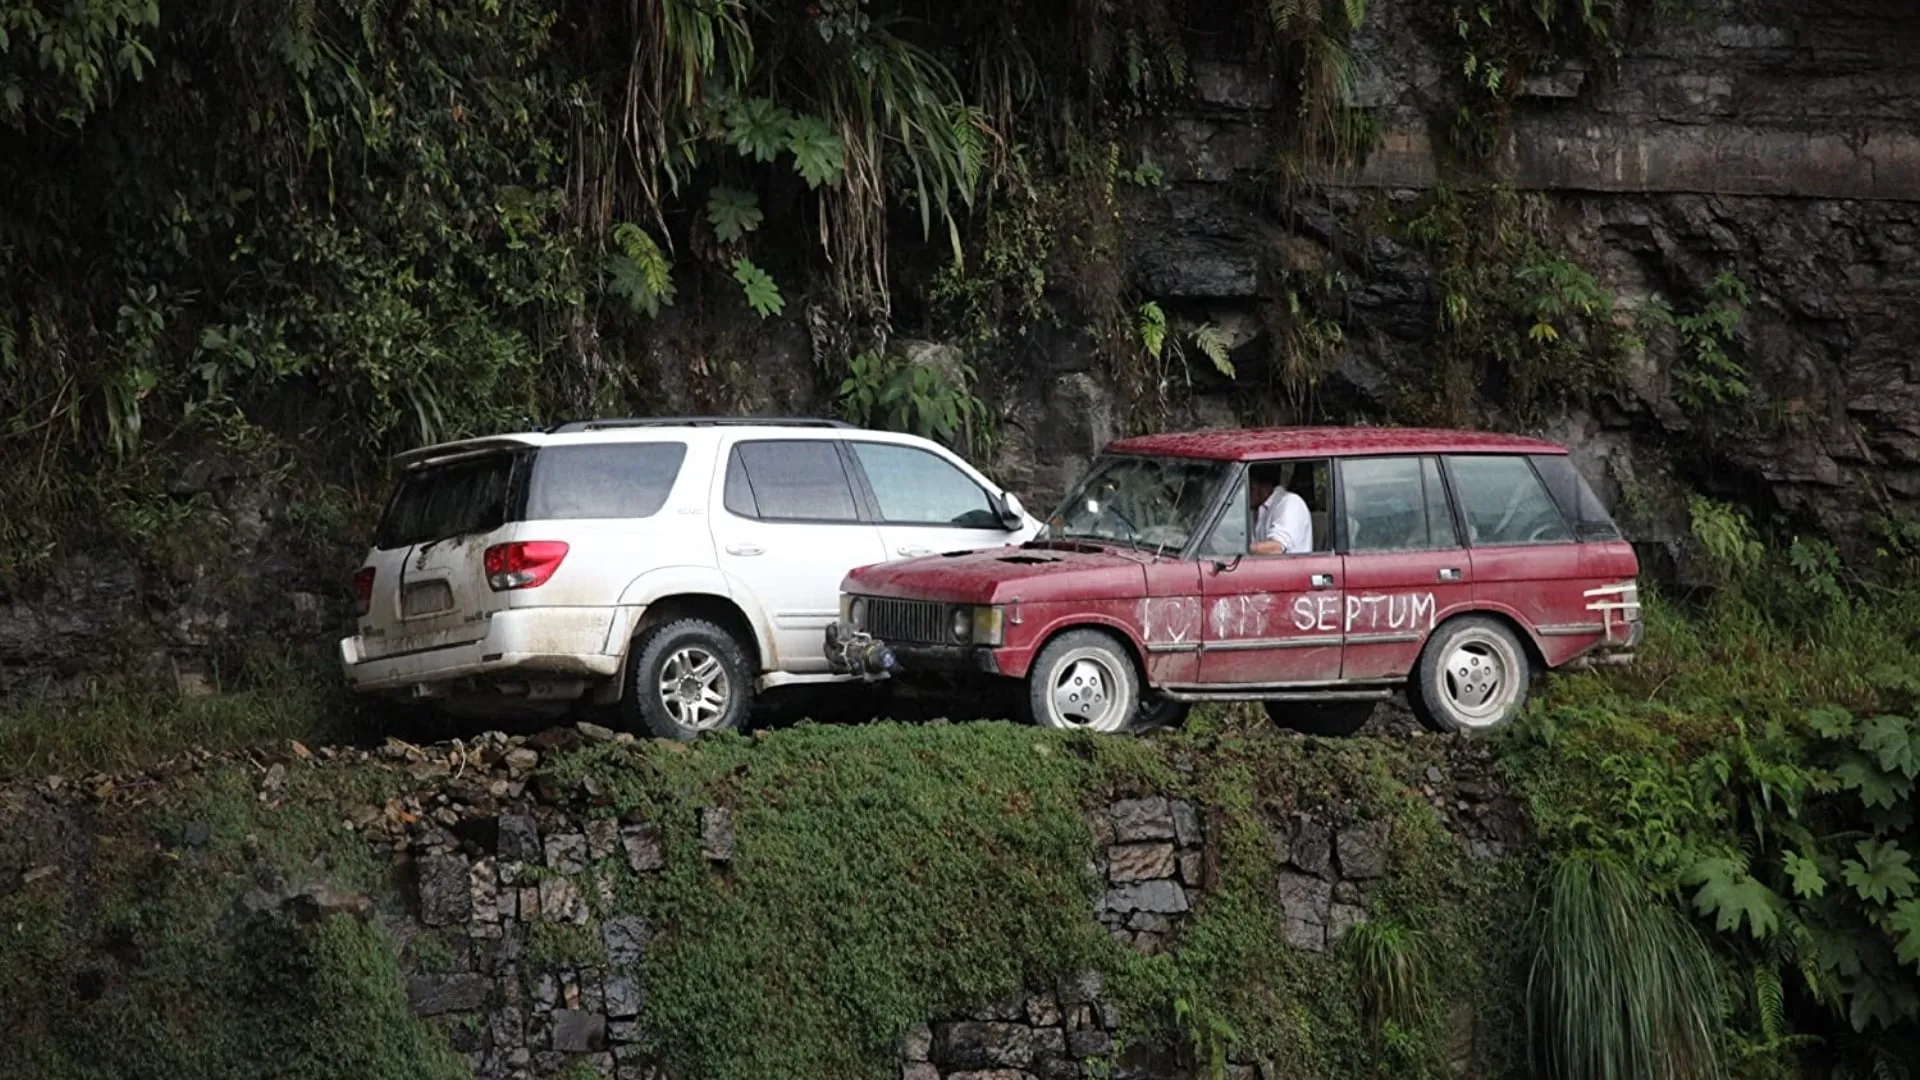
(1066,543)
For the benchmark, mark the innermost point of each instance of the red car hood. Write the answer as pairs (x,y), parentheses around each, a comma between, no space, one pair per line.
(1034,575)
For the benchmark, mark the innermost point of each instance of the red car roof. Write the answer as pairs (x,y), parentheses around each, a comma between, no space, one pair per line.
(1252,444)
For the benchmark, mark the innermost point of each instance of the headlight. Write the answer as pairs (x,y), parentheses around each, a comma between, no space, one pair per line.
(989,625)
(961,625)
(854,612)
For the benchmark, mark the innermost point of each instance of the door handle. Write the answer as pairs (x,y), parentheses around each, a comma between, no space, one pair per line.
(1323,581)
(911,552)
(1449,573)
(744,549)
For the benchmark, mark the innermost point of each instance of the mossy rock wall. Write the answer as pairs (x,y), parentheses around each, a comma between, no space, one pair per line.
(970,900)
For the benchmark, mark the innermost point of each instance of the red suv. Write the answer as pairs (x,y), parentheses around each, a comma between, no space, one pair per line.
(1317,570)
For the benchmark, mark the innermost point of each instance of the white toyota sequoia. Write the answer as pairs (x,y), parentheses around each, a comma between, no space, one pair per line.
(672,566)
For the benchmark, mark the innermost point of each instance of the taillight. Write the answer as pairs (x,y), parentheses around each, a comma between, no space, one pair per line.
(363,588)
(525,564)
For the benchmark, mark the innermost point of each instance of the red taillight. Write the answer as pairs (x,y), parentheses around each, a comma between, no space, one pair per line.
(363,588)
(525,564)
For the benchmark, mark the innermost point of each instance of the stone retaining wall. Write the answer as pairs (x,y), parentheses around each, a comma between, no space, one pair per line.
(497,862)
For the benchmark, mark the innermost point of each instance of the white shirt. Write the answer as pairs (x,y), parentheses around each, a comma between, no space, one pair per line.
(1284,518)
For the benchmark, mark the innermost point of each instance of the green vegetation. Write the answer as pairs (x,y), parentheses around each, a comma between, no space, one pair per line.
(1753,774)
(120,727)
(1705,376)
(1519,320)
(886,875)
(1620,985)
(155,971)
(1720,883)
(309,233)
(918,397)
(1498,44)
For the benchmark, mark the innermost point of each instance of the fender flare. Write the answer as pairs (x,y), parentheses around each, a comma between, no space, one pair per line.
(1084,621)
(661,582)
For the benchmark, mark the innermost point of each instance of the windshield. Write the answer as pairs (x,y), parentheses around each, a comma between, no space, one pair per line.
(1153,503)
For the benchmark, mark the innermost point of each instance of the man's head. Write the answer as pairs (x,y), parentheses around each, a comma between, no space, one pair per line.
(1261,482)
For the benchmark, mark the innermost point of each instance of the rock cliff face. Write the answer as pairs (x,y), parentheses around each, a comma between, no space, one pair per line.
(1776,141)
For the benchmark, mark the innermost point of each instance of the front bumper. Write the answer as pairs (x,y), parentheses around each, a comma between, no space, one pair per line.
(858,653)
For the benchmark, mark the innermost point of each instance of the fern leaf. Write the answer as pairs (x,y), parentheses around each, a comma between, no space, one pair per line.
(639,272)
(1770,1002)
(1208,340)
(1153,329)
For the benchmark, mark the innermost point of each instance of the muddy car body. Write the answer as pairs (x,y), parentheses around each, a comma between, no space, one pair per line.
(671,568)
(1450,565)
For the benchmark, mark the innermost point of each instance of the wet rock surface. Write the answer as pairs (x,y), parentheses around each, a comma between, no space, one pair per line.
(1776,142)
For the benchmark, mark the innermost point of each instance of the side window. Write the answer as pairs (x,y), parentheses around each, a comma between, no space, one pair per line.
(1504,502)
(1385,502)
(915,487)
(792,480)
(1439,514)
(1575,498)
(1283,507)
(739,498)
(613,480)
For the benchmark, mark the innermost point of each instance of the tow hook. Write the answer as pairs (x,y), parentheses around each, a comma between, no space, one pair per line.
(859,653)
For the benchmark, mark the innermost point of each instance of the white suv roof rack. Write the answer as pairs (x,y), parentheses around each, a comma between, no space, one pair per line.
(695,421)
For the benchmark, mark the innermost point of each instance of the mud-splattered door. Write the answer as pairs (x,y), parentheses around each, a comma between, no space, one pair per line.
(1272,620)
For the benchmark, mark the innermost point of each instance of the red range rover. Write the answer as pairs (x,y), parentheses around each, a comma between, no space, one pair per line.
(1318,570)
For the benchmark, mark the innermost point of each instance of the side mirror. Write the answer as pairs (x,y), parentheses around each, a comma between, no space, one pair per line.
(1013,516)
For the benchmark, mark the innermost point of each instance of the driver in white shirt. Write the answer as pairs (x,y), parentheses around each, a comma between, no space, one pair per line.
(1283,525)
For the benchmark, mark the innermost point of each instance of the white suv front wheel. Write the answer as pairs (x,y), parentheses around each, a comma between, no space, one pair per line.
(688,677)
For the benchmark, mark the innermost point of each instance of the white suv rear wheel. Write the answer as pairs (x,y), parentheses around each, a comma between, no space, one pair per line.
(688,677)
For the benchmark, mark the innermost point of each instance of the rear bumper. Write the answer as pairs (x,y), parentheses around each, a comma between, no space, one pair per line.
(562,643)
(857,653)
(1611,653)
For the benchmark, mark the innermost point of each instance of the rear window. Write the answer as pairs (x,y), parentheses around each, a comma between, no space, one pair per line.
(454,499)
(1504,502)
(608,480)
(1575,498)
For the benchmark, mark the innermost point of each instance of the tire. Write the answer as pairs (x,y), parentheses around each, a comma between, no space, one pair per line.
(1083,681)
(1472,677)
(688,677)
(1159,712)
(1336,719)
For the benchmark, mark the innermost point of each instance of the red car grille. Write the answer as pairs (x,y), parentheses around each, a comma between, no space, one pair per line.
(919,622)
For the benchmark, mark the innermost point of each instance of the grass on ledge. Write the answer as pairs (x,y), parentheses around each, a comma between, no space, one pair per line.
(122,727)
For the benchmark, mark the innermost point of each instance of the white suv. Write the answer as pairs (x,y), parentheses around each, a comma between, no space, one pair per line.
(672,566)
